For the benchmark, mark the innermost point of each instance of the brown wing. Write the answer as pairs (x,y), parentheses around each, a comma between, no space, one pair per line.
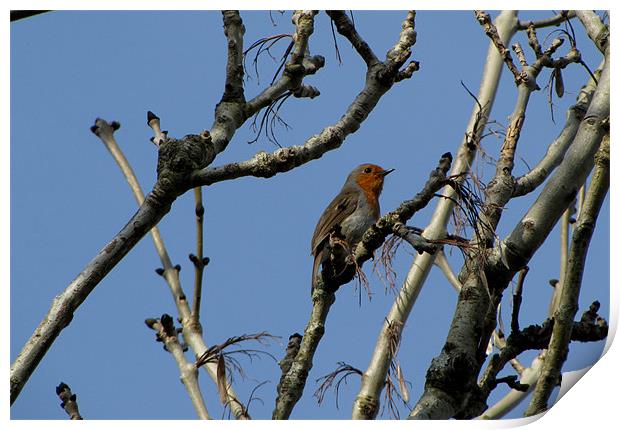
(340,208)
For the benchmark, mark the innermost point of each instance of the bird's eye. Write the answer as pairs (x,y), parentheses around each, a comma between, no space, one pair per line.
(367,170)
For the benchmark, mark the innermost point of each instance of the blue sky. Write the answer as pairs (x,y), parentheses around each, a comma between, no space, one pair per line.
(68,199)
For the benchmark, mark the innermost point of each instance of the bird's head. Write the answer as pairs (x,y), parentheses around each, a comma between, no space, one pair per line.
(369,177)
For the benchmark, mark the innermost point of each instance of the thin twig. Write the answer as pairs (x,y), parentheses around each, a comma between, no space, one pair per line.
(198,260)
(168,334)
(491,31)
(555,20)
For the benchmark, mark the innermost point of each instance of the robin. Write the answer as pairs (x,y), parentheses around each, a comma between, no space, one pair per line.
(354,210)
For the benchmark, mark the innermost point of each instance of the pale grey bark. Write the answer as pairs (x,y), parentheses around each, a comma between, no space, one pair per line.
(569,296)
(454,371)
(166,332)
(556,151)
(563,185)
(366,404)
(178,160)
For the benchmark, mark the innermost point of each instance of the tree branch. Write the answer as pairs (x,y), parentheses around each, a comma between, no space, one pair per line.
(569,298)
(177,159)
(323,296)
(293,382)
(486,279)
(536,337)
(232,112)
(555,152)
(198,260)
(555,20)
(597,31)
(529,377)
(167,333)
(234,31)
(266,165)
(491,31)
(533,228)
(375,375)
(348,30)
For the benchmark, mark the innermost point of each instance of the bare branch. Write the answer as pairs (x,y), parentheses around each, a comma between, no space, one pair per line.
(491,31)
(176,161)
(519,246)
(342,372)
(569,297)
(555,152)
(167,333)
(232,114)
(548,22)
(532,40)
(597,31)
(589,329)
(520,54)
(375,374)
(502,263)
(266,165)
(234,31)
(346,28)
(400,53)
(198,260)
(293,382)
(153,121)
(442,262)
(517,298)
(152,208)
(529,377)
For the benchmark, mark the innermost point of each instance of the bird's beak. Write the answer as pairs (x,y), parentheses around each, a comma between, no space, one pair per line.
(386,172)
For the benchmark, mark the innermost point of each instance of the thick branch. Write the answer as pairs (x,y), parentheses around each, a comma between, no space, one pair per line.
(485,280)
(64,305)
(374,377)
(561,189)
(234,31)
(232,112)
(597,31)
(292,348)
(569,299)
(556,151)
(293,381)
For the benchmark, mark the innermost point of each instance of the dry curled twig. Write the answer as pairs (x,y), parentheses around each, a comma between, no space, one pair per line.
(340,375)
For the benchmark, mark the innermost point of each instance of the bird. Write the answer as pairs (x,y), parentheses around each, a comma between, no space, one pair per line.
(353,210)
